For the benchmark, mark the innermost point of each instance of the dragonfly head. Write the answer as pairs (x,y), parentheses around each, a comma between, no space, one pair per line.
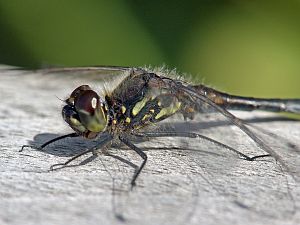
(85,112)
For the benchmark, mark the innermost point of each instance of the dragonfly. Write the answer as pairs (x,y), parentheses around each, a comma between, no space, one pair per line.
(144,98)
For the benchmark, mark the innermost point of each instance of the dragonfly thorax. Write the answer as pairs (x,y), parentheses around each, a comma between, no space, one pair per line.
(132,110)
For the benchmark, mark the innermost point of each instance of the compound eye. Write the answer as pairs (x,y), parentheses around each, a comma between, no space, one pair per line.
(90,111)
(87,102)
(77,92)
(72,118)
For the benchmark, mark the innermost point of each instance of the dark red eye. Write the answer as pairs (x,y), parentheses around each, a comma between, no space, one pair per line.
(78,91)
(87,102)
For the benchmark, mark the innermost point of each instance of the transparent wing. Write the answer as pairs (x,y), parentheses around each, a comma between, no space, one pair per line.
(89,69)
(252,134)
(93,73)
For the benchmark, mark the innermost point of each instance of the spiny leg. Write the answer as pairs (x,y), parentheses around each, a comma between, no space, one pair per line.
(70,160)
(49,142)
(138,151)
(195,135)
(59,138)
(102,142)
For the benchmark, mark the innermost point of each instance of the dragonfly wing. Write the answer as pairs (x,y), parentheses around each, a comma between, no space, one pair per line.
(259,138)
(95,73)
(92,72)
(88,69)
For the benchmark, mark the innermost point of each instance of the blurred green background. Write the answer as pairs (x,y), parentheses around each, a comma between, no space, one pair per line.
(246,47)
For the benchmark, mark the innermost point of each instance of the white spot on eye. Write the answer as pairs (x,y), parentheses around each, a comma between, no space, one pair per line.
(94,103)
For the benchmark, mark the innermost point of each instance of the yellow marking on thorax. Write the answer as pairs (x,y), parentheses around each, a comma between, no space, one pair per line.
(127,120)
(123,109)
(146,117)
(168,111)
(139,105)
(114,122)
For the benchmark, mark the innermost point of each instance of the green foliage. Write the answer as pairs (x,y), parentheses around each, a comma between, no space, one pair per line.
(244,47)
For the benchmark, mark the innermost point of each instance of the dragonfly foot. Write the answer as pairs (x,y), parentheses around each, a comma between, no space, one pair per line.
(259,156)
(30,146)
(57,166)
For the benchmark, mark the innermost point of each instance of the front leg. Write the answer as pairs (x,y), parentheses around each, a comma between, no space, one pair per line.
(48,142)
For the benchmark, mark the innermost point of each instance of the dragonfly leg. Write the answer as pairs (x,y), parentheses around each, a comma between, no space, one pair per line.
(101,143)
(138,151)
(62,165)
(196,135)
(48,142)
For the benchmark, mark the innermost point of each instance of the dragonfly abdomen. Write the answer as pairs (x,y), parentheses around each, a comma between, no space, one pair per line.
(249,103)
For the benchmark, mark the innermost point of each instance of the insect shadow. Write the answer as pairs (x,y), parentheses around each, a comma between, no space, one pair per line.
(69,147)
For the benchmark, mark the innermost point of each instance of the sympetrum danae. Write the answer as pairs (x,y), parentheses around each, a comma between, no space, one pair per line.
(144,98)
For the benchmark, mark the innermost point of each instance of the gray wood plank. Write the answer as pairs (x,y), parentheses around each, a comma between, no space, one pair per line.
(185,181)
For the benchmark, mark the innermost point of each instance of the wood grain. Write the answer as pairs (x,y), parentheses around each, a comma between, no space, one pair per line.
(185,181)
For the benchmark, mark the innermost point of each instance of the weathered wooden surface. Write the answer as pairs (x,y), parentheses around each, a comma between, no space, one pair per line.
(197,184)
